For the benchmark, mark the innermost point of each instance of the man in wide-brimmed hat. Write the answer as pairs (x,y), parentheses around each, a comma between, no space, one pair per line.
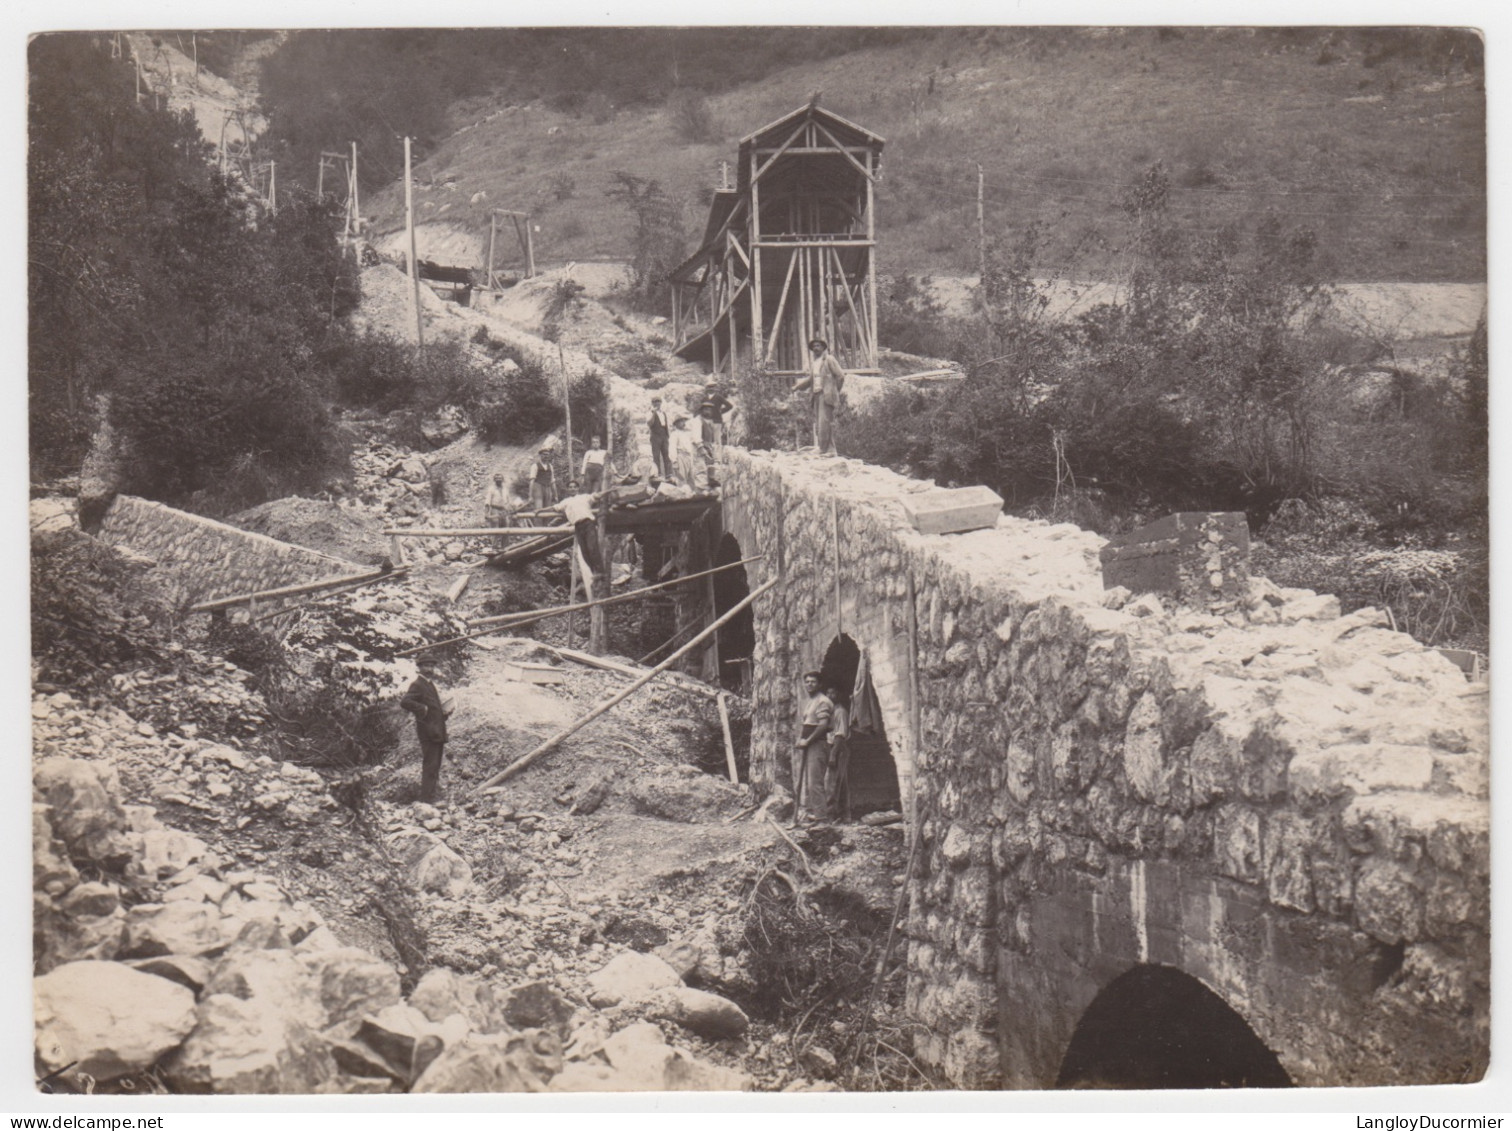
(543,478)
(825,382)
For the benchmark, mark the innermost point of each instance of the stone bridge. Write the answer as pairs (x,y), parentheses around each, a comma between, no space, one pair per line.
(1248,845)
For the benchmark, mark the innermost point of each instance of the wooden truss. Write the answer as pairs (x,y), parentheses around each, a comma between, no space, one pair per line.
(789,254)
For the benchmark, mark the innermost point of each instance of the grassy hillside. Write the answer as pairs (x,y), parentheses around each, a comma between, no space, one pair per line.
(1374,139)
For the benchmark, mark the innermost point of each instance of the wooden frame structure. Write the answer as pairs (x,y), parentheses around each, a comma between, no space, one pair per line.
(521,221)
(788,254)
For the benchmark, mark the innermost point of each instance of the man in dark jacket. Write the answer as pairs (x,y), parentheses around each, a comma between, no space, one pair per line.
(424,702)
(661,432)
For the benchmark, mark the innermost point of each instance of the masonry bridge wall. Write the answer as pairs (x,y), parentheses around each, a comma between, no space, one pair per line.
(1282,807)
(198,559)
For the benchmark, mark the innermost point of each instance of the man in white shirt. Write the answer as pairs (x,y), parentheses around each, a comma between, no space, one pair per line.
(593,466)
(826,381)
(496,508)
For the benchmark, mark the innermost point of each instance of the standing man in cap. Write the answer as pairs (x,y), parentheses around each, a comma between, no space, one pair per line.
(661,432)
(811,751)
(424,702)
(826,381)
(543,479)
(594,460)
(496,510)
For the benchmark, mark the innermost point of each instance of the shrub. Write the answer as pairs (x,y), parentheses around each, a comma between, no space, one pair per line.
(691,116)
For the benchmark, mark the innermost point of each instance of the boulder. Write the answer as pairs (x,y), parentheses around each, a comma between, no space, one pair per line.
(241,1047)
(429,865)
(630,977)
(85,813)
(69,938)
(505,1062)
(640,1060)
(52,871)
(538,1005)
(109,1018)
(441,993)
(176,928)
(709,1015)
(275,976)
(168,851)
(352,982)
(187,970)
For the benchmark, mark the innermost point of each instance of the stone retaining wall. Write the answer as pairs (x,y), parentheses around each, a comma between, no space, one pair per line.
(1288,805)
(198,559)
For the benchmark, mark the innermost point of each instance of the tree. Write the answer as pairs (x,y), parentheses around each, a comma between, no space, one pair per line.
(659,240)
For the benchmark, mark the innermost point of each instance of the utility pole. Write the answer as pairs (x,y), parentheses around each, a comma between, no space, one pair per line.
(414,263)
(355,209)
(981,226)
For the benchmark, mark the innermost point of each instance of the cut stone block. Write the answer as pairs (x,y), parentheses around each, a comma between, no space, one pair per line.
(953,510)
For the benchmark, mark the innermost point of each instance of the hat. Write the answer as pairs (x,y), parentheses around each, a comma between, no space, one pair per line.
(711,385)
(680,418)
(656,400)
(818,344)
(807,674)
(498,477)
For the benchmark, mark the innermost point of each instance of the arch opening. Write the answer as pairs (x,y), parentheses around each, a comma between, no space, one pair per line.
(1157,1027)
(872,775)
(736,640)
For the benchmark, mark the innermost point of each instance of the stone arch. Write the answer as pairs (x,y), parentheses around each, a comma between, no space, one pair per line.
(737,640)
(1158,1027)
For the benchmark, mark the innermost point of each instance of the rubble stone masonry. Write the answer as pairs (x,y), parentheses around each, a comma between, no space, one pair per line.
(1288,805)
(198,559)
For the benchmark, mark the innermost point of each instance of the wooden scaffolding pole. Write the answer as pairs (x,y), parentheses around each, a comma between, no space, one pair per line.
(414,263)
(561,736)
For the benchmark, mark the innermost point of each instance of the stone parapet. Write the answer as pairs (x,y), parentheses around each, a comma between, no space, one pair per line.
(199,559)
(1286,804)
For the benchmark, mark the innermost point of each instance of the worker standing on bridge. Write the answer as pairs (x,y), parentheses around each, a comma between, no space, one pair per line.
(724,409)
(837,772)
(424,702)
(811,751)
(661,433)
(825,382)
(683,452)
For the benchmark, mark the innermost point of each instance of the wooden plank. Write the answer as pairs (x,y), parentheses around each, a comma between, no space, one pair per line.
(288,591)
(474,531)
(561,736)
(724,725)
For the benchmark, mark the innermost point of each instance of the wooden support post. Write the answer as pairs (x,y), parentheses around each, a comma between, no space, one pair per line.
(493,232)
(567,413)
(529,250)
(561,736)
(356,203)
(757,298)
(871,262)
(414,263)
(835,529)
(787,281)
(572,586)
(724,725)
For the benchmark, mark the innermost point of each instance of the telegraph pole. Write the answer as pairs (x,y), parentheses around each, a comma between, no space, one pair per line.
(414,263)
(981,225)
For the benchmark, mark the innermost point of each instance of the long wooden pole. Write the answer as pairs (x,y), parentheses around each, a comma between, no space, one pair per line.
(519,617)
(472,531)
(356,203)
(414,263)
(557,739)
(724,724)
(567,413)
(287,591)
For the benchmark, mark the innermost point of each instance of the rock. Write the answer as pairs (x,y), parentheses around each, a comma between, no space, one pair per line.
(630,977)
(91,899)
(442,871)
(878,820)
(820,1061)
(709,1015)
(443,426)
(1145,605)
(538,1005)
(109,1018)
(85,813)
(640,1060)
(175,928)
(506,1062)
(75,938)
(187,970)
(166,851)
(441,994)
(51,868)
(352,982)
(241,1047)
(276,976)
(411,470)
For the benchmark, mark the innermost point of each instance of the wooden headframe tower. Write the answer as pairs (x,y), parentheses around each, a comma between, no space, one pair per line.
(788,254)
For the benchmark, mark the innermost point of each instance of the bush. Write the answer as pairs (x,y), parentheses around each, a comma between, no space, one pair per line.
(526,407)
(691,116)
